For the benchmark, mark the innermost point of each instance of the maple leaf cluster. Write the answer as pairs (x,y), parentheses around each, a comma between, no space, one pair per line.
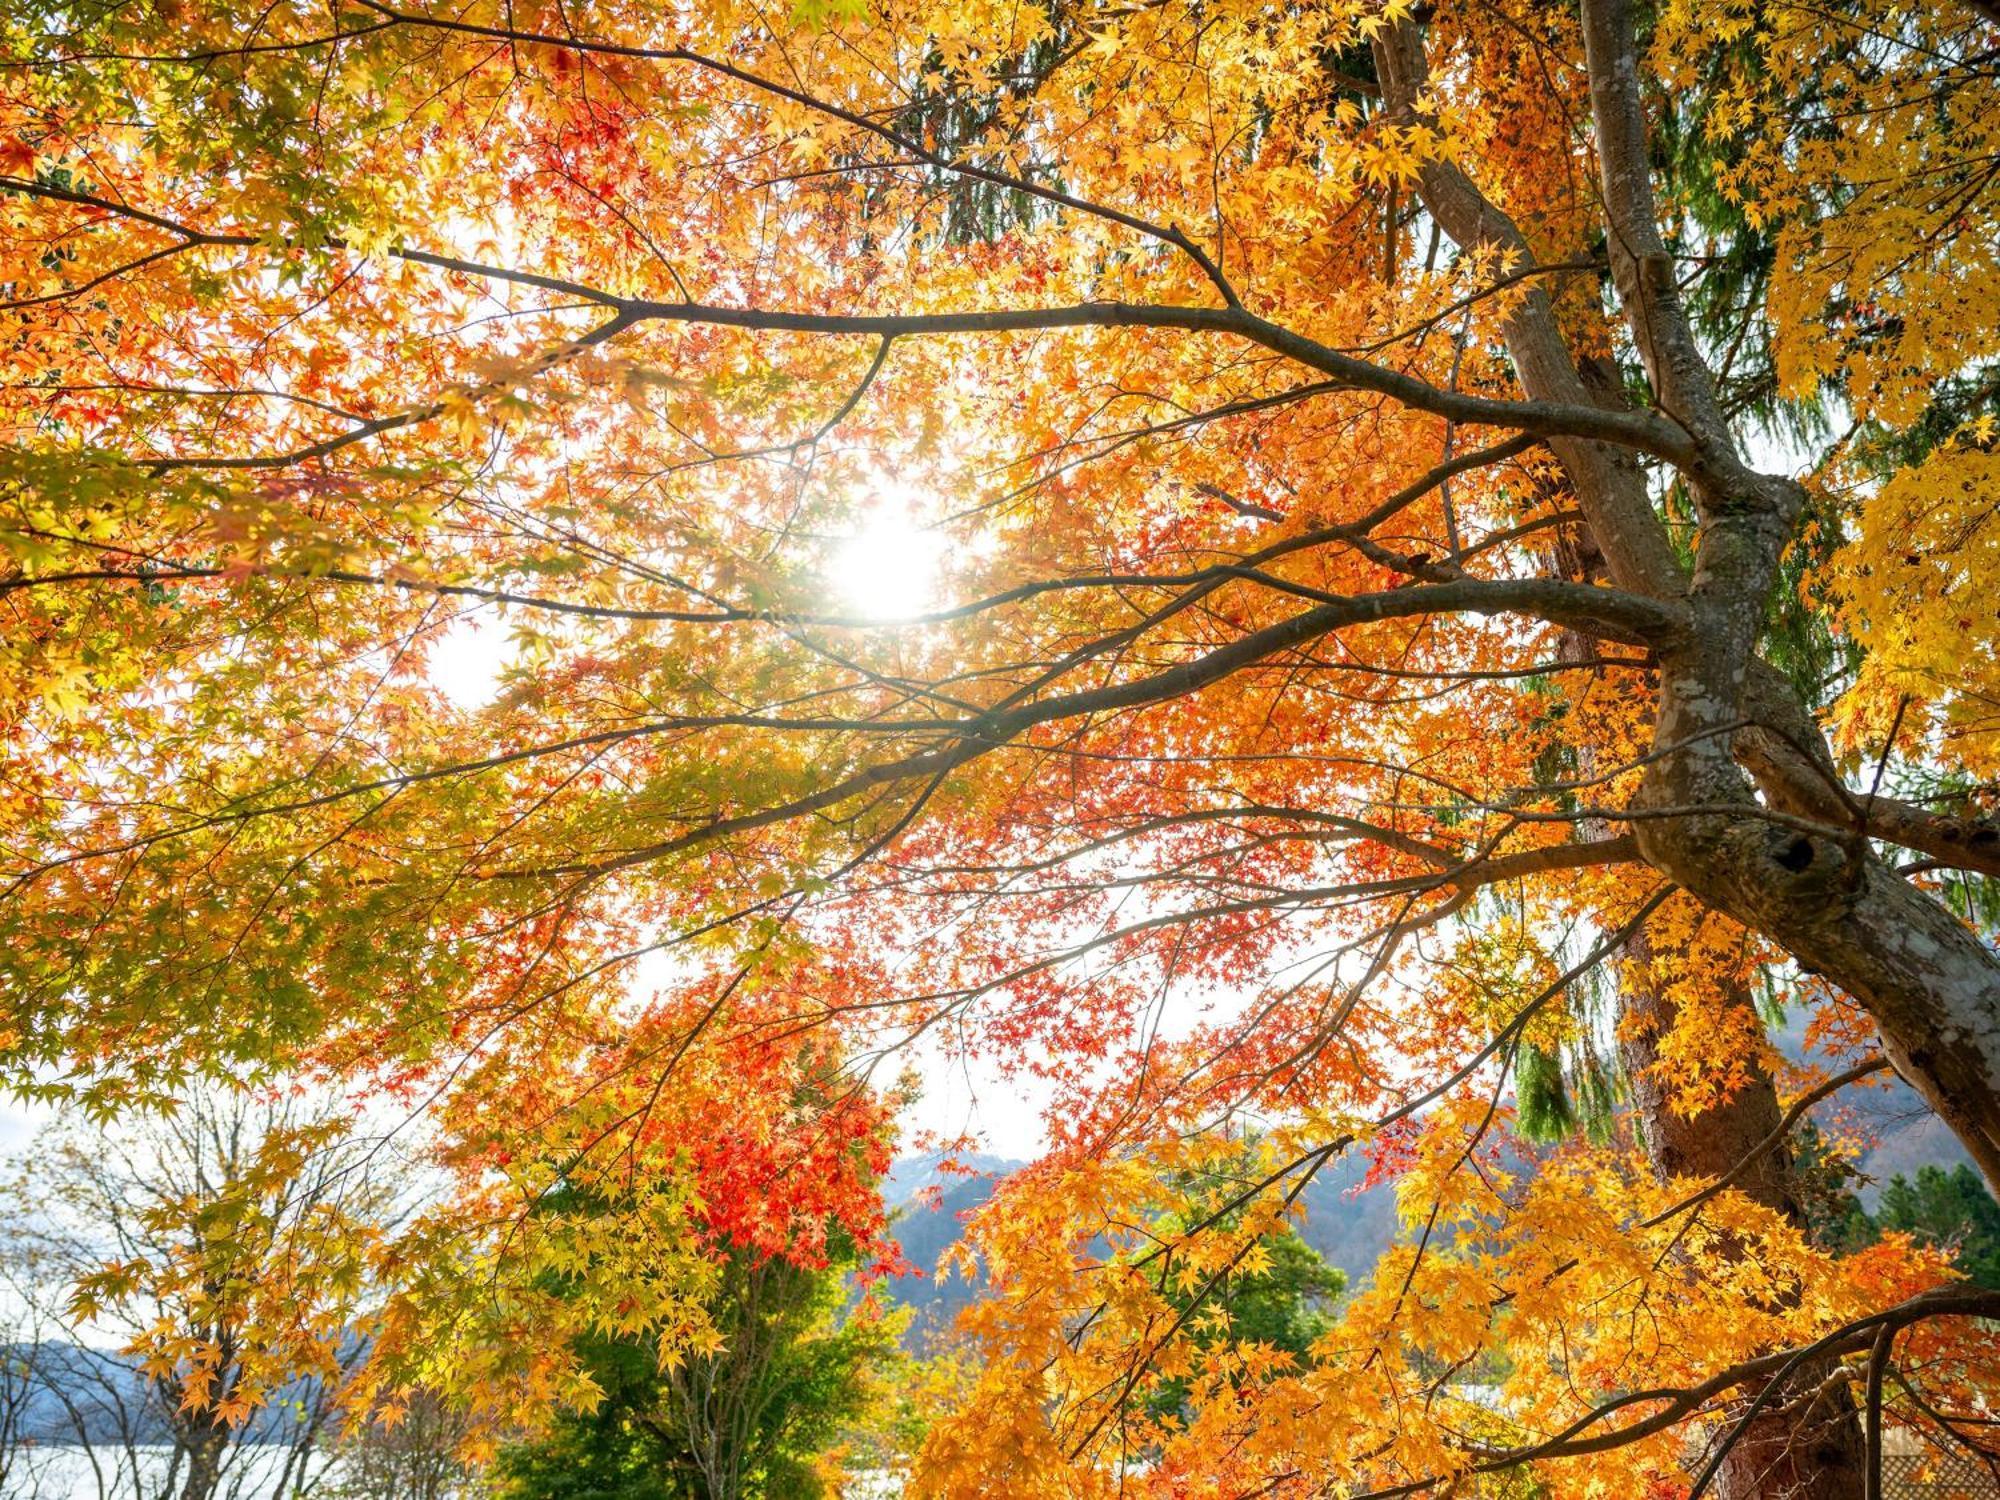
(1369,679)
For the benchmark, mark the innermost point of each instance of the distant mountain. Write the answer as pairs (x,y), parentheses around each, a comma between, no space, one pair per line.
(1349,1225)
(1914,1139)
(910,1176)
(60,1394)
(925,1229)
(1908,1135)
(63,1393)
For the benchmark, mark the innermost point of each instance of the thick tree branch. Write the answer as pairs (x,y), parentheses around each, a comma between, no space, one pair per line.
(1592,611)
(1640,266)
(1609,485)
(1640,431)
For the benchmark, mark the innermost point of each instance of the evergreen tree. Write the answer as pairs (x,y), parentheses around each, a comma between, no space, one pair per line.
(1950,1209)
(1283,1299)
(1947,1208)
(742,1423)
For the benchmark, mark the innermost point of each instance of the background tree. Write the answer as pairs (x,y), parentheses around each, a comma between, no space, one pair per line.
(197,1293)
(796,1366)
(1949,1209)
(1278,1298)
(420,1456)
(1946,1208)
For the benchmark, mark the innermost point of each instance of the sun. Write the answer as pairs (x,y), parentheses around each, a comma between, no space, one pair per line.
(889,566)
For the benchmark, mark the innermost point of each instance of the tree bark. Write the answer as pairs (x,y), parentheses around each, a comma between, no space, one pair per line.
(205,1443)
(1811,1452)
(1815,1452)
(1930,984)
(1932,988)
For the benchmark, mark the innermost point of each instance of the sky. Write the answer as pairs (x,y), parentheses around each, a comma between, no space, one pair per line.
(18,1124)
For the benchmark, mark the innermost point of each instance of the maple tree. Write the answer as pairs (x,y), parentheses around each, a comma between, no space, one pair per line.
(1465,532)
(197,1290)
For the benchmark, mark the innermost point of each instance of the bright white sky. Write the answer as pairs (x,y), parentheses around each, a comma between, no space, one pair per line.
(18,1122)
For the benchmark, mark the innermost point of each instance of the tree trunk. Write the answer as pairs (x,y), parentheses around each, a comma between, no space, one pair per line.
(205,1443)
(1785,867)
(1813,1452)
(1932,987)
(1817,1454)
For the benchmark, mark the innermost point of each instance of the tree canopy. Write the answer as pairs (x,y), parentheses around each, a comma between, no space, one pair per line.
(1456,544)
(760,1416)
